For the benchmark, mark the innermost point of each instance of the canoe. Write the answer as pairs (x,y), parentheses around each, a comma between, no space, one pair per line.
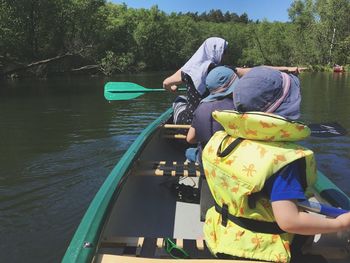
(139,210)
(338,69)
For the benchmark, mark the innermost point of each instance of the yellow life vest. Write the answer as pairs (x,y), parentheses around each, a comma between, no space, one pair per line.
(264,144)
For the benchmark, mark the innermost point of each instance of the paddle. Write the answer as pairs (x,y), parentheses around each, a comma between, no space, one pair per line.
(330,129)
(126,90)
(322,208)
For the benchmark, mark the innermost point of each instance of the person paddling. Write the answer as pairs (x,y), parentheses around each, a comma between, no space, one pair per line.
(193,75)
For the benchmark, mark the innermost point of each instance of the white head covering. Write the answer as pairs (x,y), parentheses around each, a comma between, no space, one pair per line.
(196,67)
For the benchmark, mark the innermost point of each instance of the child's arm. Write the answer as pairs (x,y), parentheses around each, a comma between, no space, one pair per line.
(191,135)
(291,220)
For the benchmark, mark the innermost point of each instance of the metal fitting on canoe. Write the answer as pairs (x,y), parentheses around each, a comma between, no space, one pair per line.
(87,245)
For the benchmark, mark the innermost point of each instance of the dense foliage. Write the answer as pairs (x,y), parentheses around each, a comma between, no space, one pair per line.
(52,36)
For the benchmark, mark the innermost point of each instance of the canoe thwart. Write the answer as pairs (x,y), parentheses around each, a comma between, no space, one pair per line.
(169,168)
(175,136)
(177,126)
(175,131)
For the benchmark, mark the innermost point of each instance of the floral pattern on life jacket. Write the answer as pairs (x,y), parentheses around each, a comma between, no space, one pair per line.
(261,126)
(232,179)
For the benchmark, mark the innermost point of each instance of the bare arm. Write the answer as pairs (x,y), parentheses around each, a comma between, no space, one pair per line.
(241,71)
(291,220)
(294,70)
(191,135)
(171,82)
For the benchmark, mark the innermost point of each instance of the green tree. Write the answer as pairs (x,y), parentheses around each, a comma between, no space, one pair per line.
(122,39)
(268,43)
(334,21)
(149,35)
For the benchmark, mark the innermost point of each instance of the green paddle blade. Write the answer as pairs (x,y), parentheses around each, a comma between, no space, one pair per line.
(126,90)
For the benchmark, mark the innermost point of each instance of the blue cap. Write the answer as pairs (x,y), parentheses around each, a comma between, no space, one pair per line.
(220,82)
(263,89)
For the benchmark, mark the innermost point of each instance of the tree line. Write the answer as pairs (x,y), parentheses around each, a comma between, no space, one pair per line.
(49,37)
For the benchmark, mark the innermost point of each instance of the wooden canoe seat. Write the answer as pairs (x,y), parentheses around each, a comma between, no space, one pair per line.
(175,131)
(151,247)
(178,169)
(175,136)
(169,168)
(176,126)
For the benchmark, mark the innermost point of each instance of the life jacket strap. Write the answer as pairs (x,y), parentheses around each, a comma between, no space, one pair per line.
(224,215)
(250,224)
(229,148)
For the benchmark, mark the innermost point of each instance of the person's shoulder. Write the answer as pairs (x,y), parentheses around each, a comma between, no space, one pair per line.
(204,111)
(225,104)
(203,107)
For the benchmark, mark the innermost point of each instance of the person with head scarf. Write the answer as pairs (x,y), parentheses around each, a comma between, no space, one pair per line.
(193,75)
(257,173)
(220,83)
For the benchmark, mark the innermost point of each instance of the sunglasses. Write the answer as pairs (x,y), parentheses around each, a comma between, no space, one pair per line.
(173,250)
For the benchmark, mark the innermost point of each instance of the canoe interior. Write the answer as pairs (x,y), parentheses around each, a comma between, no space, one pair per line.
(146,210)
(143,209)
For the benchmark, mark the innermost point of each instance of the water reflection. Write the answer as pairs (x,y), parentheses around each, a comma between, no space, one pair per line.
(325,98)
(59,140)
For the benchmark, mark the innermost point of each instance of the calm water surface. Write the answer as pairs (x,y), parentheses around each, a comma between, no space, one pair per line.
(59,139)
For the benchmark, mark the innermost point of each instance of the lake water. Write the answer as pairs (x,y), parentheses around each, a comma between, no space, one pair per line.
(59,139)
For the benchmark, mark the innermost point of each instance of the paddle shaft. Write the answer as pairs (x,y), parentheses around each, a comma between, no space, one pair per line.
(322,130)
(322,208)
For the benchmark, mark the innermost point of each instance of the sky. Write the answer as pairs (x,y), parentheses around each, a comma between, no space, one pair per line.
(272,10)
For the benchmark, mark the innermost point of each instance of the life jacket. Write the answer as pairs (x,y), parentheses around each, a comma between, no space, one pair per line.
(237,162)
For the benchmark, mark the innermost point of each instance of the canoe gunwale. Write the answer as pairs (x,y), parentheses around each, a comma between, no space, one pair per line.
(84,243)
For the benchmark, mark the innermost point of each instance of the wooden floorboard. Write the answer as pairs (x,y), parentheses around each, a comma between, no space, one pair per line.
(105,258)
(153,247)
